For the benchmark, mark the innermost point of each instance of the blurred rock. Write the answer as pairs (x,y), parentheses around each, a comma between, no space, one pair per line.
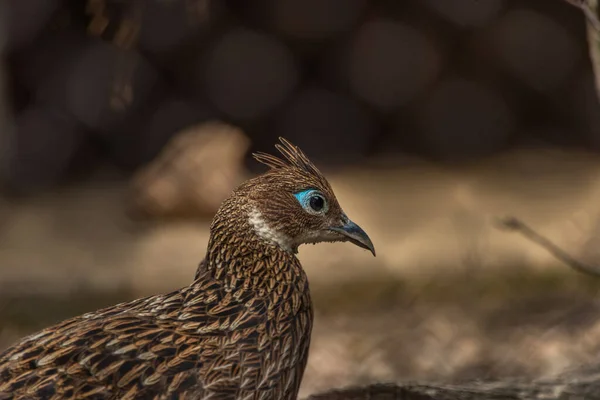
(467,13)
(27,19)
(586,108)
(462,118)
(397,146)
(534,48)
(45,64)
(95,81)
(390,63)
(106,84)
(143,139)
(328,126)
(248,74)
(3,28)
(544,136)
(192,176)
(40,149)
(166,25)
(315,19)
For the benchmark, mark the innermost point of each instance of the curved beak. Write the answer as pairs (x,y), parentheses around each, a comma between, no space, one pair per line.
(354,234)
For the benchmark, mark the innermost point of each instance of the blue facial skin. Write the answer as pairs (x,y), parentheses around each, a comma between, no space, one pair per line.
(303,196)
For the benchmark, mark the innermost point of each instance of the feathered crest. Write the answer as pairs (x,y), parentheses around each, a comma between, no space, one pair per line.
(294,157)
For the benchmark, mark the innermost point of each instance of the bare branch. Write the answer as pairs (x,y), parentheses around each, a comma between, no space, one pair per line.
(514,224)
(588,8)
(590,11)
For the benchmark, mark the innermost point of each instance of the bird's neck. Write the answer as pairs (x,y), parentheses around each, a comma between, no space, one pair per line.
(237,253)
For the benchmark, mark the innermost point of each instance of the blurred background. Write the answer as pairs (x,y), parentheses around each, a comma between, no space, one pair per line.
(124,124)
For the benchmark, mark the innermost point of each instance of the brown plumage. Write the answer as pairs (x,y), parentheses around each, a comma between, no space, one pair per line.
(241,330)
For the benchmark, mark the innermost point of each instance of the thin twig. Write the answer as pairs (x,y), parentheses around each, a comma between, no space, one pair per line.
(514,224)
(588,12)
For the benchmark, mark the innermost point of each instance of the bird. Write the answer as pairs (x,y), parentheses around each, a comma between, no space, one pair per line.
(240,331)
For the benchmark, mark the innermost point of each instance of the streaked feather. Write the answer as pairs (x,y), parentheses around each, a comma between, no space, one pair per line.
(240,330)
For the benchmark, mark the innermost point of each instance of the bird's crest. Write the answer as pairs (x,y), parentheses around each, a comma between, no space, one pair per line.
(294,158)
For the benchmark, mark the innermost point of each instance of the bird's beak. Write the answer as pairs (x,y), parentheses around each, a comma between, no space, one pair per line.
(354,234)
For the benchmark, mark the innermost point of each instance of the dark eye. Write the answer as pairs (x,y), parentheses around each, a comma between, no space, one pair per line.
(313,201)
(317,202)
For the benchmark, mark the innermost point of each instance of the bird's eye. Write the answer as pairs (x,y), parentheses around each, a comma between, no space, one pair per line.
(316,202)
(312,201)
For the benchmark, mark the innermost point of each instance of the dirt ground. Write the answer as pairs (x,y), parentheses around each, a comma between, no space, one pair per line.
(448,297)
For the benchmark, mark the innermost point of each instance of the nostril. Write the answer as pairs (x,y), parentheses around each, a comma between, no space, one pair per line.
(344,219)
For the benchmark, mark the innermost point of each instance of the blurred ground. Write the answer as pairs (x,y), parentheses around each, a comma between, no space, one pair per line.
(449,296)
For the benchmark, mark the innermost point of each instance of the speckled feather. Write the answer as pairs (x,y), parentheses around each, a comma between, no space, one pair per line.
(241,330)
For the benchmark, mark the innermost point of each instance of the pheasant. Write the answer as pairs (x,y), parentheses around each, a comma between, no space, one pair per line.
(240,330)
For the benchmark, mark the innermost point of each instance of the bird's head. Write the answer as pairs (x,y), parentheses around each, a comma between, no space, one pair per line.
(293,203)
